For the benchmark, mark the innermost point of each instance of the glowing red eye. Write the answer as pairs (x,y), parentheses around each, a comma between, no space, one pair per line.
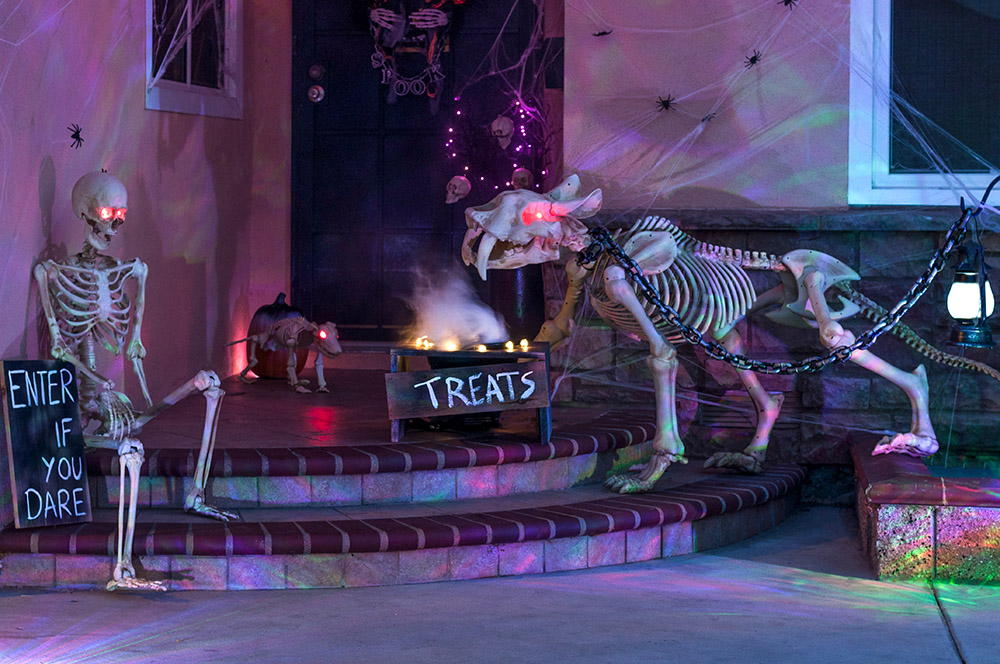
(322,334)
(106,212)
(120,213)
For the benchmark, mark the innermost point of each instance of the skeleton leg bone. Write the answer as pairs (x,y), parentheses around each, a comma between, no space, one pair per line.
(293,379)
(667,445)
(767,408)
(130,458)
(921,440)
(251,363)
(207,383)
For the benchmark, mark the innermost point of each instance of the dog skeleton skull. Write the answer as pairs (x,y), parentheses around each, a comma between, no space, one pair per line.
(458,188)
(524,227)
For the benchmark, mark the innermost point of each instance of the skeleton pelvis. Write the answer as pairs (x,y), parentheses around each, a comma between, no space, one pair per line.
(797,312)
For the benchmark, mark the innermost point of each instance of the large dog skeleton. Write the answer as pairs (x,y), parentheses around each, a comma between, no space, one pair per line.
(86,305)
(709,286)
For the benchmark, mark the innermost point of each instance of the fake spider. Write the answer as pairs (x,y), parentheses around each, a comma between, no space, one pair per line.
(664,104)
(708,118)
(753,59)
(603,33)
(75,135)
(788,3)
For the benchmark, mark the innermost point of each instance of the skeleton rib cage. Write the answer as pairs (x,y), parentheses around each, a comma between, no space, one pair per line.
(706,284)
(89,301)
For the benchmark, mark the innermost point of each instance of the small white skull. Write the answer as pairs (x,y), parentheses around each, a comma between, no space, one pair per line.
(522,179)
(502,129)
(101,200)
(457,189)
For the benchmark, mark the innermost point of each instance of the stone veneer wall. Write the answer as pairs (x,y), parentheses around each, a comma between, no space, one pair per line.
(890,248)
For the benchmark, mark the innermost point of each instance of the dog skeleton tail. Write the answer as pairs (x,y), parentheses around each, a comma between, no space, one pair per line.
(875,312)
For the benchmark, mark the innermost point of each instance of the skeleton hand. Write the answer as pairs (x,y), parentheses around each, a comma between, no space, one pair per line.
(135,350)
(428,19)
(385,18)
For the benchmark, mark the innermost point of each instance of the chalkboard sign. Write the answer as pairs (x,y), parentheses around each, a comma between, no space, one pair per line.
(44,443)
(470,389)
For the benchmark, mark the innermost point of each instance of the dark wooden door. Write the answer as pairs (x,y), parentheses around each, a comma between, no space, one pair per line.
(369,176)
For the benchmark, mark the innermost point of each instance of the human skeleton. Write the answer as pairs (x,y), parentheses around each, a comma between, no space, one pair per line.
(86,305)
(711,290)
(291,334)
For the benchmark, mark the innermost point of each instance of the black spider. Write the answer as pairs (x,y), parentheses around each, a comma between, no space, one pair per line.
(753,59)
(665,104)
(788,3)
(708,118)
(75,135)
(603,33)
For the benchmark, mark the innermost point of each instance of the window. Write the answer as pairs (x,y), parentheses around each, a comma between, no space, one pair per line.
(923,101)
(194,57)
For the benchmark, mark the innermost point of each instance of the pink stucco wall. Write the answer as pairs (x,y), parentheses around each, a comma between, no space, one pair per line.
(771,133)
(208,198)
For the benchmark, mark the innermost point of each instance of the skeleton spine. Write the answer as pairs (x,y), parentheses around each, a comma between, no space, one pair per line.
(748,260)
(875,312)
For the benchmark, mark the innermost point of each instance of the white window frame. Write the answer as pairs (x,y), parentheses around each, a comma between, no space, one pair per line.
(196,99)
(869,181)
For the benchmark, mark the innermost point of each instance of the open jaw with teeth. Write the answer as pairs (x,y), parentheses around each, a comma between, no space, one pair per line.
(493,253)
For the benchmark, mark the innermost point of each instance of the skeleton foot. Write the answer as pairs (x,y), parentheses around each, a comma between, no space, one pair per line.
(323,389)
(741,461)
(907,443)
(302,389)
(647,476)
(198,506)
(132,583)
(247,379)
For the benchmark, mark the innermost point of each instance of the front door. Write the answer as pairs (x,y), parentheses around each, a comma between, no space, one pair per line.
(369,171)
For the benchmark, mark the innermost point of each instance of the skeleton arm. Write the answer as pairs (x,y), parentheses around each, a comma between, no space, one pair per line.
(559,328)
(60,351)
(135,350)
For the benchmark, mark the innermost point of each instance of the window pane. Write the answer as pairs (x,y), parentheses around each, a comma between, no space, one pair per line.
(945,60)
(207,46)
(169,20)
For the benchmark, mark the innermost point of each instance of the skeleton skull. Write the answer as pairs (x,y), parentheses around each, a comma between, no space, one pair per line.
(524,227)
(522,179)
(327,340)
(457,189)
(502,129)
(101,200)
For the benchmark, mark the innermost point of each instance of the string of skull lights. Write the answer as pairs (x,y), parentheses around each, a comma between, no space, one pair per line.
(497,156)
(410,36)
(509,149)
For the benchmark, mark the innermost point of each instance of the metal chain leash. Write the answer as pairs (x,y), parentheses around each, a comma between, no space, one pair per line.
(603,242)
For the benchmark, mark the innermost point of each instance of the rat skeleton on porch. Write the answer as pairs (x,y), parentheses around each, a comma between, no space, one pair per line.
(693,290)
(86,305)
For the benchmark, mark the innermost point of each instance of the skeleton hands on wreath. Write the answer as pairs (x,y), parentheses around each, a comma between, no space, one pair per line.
(87,306)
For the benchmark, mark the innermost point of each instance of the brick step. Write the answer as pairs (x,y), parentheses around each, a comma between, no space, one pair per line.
(494,465)
(539,532)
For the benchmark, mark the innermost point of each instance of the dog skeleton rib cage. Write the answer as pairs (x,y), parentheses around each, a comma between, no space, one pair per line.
(655,282)
(86,305)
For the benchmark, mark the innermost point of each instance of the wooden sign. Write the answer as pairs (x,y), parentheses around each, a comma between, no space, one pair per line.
(44,443)
(489,388)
